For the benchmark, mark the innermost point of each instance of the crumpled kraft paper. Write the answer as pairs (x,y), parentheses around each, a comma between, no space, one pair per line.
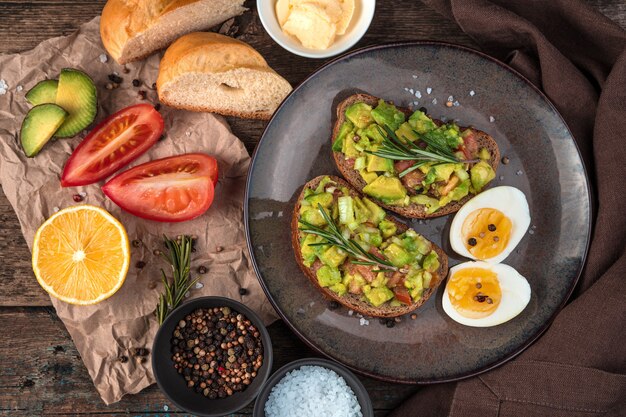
(104,332)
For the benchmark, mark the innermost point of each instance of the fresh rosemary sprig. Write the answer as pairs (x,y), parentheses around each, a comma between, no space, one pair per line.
(395,149)
(334,237)
(179,257)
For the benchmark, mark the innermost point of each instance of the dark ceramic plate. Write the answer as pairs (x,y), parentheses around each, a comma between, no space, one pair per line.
(544,163)
(174,385)
(353,382)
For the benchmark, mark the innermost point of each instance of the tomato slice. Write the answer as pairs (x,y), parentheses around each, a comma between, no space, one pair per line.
(402,295)
(114,143)
(171,189)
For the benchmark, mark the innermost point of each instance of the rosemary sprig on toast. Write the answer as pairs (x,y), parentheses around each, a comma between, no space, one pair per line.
(395,149)
(333,236)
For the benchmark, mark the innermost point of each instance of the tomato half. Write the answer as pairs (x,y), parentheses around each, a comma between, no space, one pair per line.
(171,189)
(114,143)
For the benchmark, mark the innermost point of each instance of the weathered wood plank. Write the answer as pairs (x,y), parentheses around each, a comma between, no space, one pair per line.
(42,374)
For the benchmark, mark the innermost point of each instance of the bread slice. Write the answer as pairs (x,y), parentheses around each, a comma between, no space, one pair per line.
(214,73)
(134,29)
(413,210)
(353,301)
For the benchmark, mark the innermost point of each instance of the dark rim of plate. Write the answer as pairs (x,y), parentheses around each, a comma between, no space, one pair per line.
(241,308)
(341,370)
(533,337)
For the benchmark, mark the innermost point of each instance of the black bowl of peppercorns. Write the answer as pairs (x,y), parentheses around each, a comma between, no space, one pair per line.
(211,356)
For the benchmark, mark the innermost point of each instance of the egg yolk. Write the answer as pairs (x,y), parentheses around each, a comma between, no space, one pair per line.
(474,292)
(486,232)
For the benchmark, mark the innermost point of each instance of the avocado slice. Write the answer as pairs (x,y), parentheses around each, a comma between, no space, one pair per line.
(378,164)
(43,92)
(327,276)
(39,125)
(397,255)
(77,95)
(388,114)
(346,127)
(360,114)
(405,131)
(377,214)
(431,262)
(378,296)
(481,174)
(386,189)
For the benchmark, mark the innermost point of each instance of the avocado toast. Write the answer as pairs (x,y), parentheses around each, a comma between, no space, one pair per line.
(372,140)
(396,271)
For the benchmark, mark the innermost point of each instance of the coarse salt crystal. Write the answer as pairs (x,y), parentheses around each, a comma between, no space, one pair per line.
(166,408)
(429,90)
(472,93)
(492,119)
(418,94)
(363,322)
(187,294)
(406,88)
(3,87)
(519,172)
(434,101)
(501,177)
(312,391)
(188,133)
(531,232)
(411,91)
(19,88)
(55,209)
(199,285)
(350,312)
(450,98)
(415,103)
(456,103)
(414,76)
(83,194)
(104,58)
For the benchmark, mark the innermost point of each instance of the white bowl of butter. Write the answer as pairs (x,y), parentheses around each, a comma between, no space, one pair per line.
(316,28)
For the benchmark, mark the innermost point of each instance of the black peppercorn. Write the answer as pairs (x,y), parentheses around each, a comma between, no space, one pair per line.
(491,227)
(136,243)
(424,110)
(77,197)
(136,83)
(123,359)
(243,291)
(157,106)
(114,78)
(472,241)
(202,269)
(333,305)
(140,264)
(142,94)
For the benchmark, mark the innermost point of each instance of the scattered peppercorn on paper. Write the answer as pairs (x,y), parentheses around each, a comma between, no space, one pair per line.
(114,336)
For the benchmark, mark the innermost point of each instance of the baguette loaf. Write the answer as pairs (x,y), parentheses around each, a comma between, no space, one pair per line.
(413,210)
(214,73)
(352,301)
(134,29)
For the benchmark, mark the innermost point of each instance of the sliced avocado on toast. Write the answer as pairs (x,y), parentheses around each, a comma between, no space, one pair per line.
(357,135)
(39,125)
(401,285)
(78,96)
(43,92)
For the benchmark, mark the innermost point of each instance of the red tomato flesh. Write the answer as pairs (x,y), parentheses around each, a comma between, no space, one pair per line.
(171,189)
(113,144)
(402,295)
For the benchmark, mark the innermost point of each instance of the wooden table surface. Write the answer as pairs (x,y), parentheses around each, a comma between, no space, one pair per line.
(41,372)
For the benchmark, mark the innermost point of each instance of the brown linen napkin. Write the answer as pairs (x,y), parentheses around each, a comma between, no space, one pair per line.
(578,368)
(110,329)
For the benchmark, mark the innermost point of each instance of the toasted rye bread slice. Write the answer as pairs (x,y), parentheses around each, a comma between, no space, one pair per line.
(413,210)
(353,301)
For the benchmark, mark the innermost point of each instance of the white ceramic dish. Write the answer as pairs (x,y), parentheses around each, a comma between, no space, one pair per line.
(363,15)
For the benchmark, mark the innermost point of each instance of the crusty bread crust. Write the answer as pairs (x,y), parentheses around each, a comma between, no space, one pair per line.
(123,21)
(212,53)
(352,301)
(413,210)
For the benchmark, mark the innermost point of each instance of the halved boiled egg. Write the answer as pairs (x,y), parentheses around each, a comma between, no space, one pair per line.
(489,226)
(480,294)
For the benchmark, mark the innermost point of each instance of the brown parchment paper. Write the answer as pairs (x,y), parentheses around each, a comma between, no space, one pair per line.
(126,320)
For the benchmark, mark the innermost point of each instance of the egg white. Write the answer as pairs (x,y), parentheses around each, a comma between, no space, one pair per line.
(510,201)
(515,295)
